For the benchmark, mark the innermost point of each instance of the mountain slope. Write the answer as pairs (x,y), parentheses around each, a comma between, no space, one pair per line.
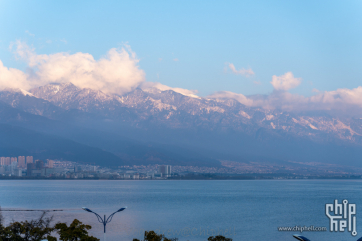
(126,150)
(15,141)
(188,130)
(174,110)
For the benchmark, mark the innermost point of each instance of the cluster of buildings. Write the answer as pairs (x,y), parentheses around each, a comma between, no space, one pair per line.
(24,166)
(14,165)
(134,173)
(27,167)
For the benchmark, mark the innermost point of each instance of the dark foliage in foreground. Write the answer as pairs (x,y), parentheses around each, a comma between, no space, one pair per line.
(76,231)
(40,229)
(219,238)
(33,230)
(152,236)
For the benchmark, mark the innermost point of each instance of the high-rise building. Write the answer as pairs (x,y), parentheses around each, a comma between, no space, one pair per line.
(14,164)
(50,163)
(2,161)
(165,170)
(21,162)
(13,159)
(30,167)
(39,164)
(29,159)
(7,161)
(17,172)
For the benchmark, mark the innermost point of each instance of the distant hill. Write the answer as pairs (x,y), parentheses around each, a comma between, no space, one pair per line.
(15,141)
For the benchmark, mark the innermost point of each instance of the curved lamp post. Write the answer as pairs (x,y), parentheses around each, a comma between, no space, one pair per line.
(104,221)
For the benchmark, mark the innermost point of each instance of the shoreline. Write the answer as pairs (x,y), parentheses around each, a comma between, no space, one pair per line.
(216,178)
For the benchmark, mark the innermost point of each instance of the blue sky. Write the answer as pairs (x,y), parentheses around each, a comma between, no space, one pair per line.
(319,42)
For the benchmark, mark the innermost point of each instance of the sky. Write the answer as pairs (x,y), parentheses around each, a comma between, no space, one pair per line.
(299,49)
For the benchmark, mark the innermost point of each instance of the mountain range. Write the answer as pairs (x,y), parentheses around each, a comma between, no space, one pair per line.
(151,126)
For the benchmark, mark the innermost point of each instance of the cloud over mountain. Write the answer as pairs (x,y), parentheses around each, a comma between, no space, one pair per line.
(12,78)
(231,95)
(285,82)
(149,85)
(341,101)
(117,72)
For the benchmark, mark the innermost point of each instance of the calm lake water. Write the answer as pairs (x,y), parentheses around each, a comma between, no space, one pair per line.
(189,210)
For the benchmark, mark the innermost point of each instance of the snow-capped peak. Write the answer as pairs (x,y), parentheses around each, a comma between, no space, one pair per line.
(151,87)
(18,90)
(25,93)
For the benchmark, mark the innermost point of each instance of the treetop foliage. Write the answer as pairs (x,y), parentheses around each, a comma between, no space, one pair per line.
(40,229)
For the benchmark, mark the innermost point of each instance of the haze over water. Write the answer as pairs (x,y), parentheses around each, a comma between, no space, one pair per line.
(189,210)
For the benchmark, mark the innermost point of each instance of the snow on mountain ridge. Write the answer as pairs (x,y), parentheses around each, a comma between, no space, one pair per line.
(176,110)
(19,90)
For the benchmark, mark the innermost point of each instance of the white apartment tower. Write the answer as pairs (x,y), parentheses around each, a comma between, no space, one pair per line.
(50,163)
(2,161)
(21,162)
(29,159)
(7,161)
(13,159)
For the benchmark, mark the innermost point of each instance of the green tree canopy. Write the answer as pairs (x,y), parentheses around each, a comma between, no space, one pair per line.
(34,230)
(77,231)
(40,229)
(219,238)
(152,236)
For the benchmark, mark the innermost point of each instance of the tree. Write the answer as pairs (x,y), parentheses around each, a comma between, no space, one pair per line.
(219,238)
(76,231)
(152,236)
(1,218)
(40,229)
(34,230)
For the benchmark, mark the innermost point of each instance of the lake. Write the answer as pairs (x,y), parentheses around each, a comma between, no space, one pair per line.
(190,210)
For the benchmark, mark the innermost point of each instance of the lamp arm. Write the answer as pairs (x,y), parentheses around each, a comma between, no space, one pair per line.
(110,217)
(100,219)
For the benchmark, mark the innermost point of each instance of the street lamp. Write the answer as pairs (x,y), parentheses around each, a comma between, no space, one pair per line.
(104,221)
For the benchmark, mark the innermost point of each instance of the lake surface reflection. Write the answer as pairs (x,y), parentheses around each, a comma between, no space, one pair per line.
(189,210)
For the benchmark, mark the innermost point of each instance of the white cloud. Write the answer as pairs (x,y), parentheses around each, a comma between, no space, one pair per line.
(245,72)
(30,34)
(339,97)
(231,95)
(12,78)
(285,82)
(175,59)
(340,101)
(117,72)
(63,41)
(149,85)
